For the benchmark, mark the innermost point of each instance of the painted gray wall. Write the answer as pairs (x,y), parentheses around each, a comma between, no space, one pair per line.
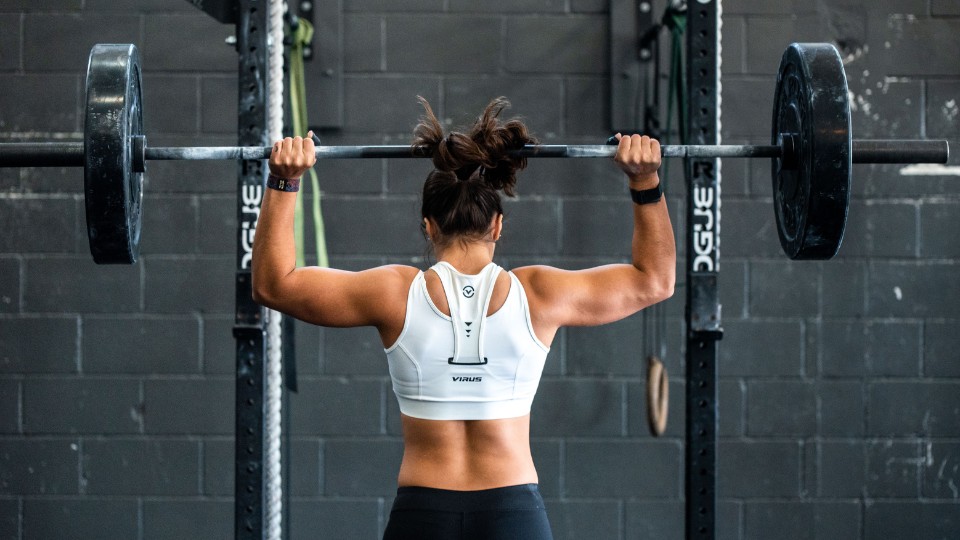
(840,380)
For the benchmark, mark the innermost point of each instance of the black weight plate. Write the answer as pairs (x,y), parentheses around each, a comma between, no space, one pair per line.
(114,191)
(811,196)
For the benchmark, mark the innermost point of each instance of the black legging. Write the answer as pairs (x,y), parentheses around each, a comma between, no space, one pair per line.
(506,513)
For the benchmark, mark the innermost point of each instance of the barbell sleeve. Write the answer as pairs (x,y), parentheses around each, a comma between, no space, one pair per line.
(41,154)
(900,151)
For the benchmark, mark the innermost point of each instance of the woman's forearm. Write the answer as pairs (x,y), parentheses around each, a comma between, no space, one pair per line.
(653,245)
(274,249)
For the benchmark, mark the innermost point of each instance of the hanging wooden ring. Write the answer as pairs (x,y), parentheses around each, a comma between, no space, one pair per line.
(658,396)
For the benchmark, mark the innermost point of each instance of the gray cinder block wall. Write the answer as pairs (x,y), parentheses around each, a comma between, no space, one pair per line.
(840,380)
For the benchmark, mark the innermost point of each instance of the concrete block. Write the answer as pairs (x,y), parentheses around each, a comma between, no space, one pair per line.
(39,467)
(337,406)
(211,411)
(908,38)
(893,469)
(940,470)
(944,8)
(842,469)
(584,518)
(782,289)
(758,469)
(81,30)
(365,6)
(914,409)
(760,348)
(218,103)
(348,518)
(83,518)
(508,6)
(458,43)
(610,468)
(613,348)
(193,518)
(586,111)
(365,467)
(802,520)
(41,103)
(841,406)
(881,230)
(937,230)
(359,176)
(219,346)
(843,349)
(170,225)
(538,101)
(734,45)
(177,285)
(598,411)
(894,349)
(750,101)
(403,176)
(554,44)
(942,109)
(218,225)
(578,178)
(10,518)
(11,52)
(9,406)
(729,520)
(219,460)
(844,288)
(38,225)
(748,230)
(169,35)
(141,346)
(382,104)
(780,408)
(363,36)
(395,231)
(90,405)
(907,289)
(911,519)
(884,108)
(39,345)
(530,226)
(76,284)
(655,519)
(219,176)
(592,227)
(940,345)
(170,103)
(353,351)
(139,6)
(157,467)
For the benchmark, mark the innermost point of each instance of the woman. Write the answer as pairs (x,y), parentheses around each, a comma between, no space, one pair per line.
(465,341)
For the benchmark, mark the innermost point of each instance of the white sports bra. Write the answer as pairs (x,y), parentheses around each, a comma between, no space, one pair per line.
(466,366)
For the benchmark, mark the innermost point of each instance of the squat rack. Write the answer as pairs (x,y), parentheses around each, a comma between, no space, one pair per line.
(702,312)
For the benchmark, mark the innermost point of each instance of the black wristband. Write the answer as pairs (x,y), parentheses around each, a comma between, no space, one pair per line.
(283,184)
(646,196)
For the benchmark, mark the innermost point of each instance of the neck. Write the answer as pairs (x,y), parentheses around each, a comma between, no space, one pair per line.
(470,257)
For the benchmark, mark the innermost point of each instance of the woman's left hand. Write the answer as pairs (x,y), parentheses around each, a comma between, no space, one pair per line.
(292,156)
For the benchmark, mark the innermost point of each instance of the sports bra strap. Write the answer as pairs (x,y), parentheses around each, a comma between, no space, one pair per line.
(469,299)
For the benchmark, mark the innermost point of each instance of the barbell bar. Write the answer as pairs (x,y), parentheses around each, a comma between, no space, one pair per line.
(70,154)
(811,153)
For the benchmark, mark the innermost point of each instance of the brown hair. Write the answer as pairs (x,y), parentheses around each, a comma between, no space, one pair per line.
(462,194)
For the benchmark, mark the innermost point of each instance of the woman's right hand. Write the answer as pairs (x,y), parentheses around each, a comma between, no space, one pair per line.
(639,157)
(292,156)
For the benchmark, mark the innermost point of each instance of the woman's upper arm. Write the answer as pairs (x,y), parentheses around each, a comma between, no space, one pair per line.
(588,297)
(341,298)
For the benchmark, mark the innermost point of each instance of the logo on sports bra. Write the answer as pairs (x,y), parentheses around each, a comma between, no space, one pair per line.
(468,379)
(469,291)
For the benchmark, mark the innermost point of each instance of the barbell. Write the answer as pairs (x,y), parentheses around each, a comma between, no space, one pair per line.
(811,152)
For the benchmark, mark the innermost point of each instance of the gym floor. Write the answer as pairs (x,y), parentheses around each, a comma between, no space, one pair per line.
(839,395)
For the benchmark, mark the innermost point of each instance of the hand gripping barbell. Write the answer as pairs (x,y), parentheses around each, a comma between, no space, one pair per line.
(811,154)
